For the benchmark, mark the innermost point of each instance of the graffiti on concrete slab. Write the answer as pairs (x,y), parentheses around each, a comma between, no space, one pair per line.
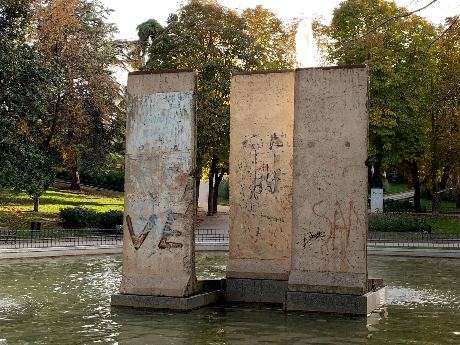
(310,237)
(340,223)
(168,232)
(266,172)
(137,240)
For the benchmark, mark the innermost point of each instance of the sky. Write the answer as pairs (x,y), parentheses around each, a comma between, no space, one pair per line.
(127,14)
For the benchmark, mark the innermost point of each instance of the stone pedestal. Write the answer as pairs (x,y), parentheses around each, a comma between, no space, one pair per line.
(261,125)
(255,290)
(329,240)
(211,291)
(361,305)
(158,242)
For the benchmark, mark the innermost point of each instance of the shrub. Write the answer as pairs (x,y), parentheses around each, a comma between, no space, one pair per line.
(397,223)
(110,219)
(80,217)
(110,178)
(425,193)
(398,206)
(223,189)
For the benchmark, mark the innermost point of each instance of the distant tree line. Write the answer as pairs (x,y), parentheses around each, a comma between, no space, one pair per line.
(414,114)
(60,105)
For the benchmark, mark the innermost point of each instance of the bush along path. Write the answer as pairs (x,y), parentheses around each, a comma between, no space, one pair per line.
(407,222)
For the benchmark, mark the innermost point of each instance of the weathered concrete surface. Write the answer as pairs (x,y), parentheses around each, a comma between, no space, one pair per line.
(261,125)
(329,240)
(336,303)
(158,251)
(163,302)
(255,290)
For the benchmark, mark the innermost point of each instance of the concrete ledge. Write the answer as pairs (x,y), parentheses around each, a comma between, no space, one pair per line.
(163,302)
(211,246)
(255,290)
(426,253)
(59,251)
(335,303)
(342,283)
(258,269)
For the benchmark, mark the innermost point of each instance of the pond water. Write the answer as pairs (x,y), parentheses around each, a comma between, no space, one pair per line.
(67,301)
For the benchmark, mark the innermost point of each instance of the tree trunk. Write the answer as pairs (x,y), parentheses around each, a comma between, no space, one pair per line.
(457,193)
(417,185)
(36,204)
(197,188)
(75,179)
(437,192)
(217,180)
(211,186)
(376,176)
(369,178)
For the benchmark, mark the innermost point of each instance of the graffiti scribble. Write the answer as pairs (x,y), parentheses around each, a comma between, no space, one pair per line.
(341,222)
(309,237)
(136,239)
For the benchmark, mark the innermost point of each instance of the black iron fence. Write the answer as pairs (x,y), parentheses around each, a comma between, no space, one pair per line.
(413,239)
(11,239)
(59,238)
(211,235)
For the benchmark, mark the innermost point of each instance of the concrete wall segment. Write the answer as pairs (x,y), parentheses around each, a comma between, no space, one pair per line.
(261,125)
(158,251)
(330,179)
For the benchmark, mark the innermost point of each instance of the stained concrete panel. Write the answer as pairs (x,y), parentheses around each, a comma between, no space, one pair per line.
(158,243)
(329,240)
(261,129)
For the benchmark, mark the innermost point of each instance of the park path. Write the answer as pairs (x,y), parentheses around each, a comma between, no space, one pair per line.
(219,222)
(399,196)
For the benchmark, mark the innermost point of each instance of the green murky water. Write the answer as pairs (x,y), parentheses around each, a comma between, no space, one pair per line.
(66,301)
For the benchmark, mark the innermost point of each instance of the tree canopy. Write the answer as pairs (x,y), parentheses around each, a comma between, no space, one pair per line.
(26,163)
(411,65)
(215,41)
(59,99)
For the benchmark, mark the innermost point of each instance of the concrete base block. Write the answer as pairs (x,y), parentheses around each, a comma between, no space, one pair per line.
(255,290)
(212,293)
(328,282)
(335,303)
(257,269)
(162,302)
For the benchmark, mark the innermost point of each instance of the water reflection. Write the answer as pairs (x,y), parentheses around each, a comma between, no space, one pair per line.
(239,326)
(67,301)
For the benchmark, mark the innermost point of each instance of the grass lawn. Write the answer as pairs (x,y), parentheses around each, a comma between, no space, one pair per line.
(392,188)
(16,210)
(446,205)
(444,224)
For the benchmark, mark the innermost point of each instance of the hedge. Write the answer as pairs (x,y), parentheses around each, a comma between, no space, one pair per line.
(397,223)
(80,217)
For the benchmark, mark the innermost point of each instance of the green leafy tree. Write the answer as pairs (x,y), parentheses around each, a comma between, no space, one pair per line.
(79,48)
(400,62)
(215,41)
(26,162)
(444,110)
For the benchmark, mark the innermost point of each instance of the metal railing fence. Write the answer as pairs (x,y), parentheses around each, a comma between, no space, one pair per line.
(414,239)
(14,239)
(211,235)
